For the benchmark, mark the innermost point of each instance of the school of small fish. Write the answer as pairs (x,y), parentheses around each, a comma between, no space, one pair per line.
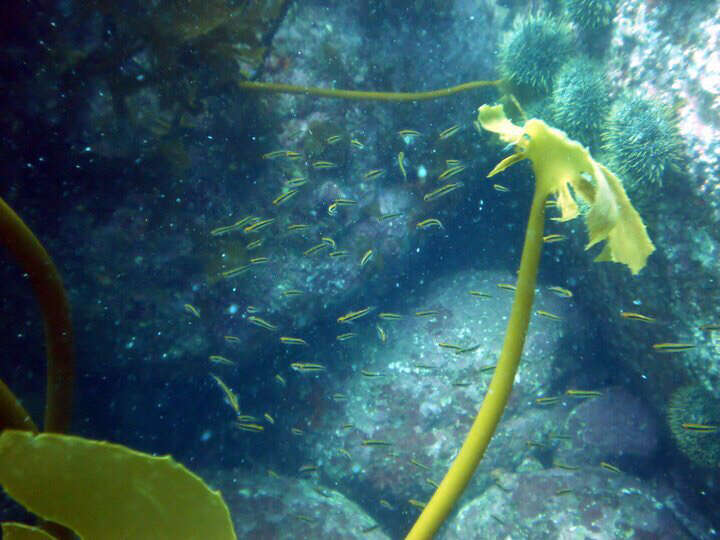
(297,181)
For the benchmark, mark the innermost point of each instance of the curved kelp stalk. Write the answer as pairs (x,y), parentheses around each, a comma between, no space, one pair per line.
(50,294)
(47,286)
(279,88)
(558,163)
(89,488)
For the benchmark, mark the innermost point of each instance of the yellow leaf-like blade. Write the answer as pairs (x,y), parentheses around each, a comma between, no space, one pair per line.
(628,242)
(492,118)
(559,164)
(566,203)
(103,490)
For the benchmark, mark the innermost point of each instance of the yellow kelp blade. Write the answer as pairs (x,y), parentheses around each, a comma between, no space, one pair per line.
(103,490)
(559,163)
(20,531)
(492,118)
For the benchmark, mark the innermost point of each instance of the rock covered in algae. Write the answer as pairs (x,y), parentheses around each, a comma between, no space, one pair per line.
(270,504)
(103,490)
(589,502)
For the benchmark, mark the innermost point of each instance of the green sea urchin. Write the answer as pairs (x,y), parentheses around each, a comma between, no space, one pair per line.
(533,52)
(591,15)
(693,405)
(580,101)
(642,140)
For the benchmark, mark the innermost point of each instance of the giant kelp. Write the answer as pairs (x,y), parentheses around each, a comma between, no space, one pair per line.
(558,163)
(95,488)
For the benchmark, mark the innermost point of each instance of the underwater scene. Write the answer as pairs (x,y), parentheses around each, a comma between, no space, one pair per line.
(279,269)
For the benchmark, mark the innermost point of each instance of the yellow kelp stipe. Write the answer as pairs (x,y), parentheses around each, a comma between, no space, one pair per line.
(103,490)
(556,161)
(12,414)
(20,531)
(362,94)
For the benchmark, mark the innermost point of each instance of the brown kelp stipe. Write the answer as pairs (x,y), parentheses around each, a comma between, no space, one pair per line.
(48,288)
